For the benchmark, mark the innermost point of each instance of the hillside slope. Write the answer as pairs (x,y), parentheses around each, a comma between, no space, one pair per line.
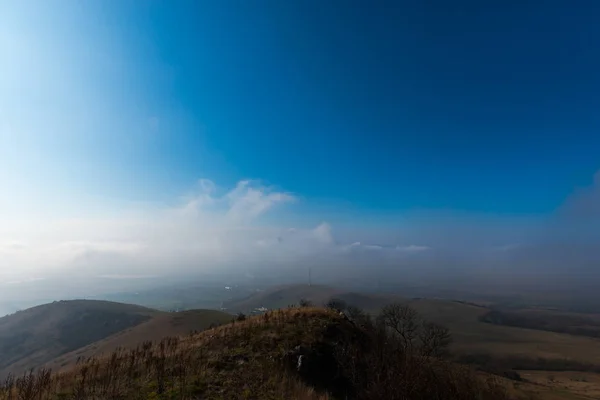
(286,295)
(160,326)
(298,353)
(32,337)
(470,334)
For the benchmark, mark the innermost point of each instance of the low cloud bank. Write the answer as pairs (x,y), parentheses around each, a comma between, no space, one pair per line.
(217,230)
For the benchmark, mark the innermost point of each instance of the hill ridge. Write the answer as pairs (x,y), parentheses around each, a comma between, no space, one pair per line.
(300,353)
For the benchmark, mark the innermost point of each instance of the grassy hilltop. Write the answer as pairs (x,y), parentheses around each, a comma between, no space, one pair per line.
(296,353)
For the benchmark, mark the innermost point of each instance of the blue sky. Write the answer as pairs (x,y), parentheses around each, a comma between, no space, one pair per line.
(433,116)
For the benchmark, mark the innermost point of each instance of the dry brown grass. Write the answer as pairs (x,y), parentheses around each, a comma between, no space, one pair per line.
(473,336)
(247,360)
(569,384)
(37,335)
(161,326)
(470,335)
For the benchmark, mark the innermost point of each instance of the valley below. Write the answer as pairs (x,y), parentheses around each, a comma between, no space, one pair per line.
(533,351)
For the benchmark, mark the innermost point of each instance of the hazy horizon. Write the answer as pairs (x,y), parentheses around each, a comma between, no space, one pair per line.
(140,142)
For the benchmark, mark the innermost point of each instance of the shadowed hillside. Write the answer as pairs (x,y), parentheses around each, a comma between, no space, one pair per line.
(285,295)
(160,326)
(547,320)
(281,297)
(37,335)
(60,333)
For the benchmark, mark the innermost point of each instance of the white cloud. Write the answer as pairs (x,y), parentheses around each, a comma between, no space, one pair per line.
(323,233)
(361,247)
(211,228)
(207,186)
(12,246)
(247,202)
(127,277)
(412,248)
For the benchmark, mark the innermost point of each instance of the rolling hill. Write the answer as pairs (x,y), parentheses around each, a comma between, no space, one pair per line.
(299,353)
(470,334)
(41,335)
(160,326)
(245,356)
(31,337)
(286,295)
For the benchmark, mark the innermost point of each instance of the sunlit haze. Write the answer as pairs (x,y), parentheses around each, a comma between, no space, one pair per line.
(149,139)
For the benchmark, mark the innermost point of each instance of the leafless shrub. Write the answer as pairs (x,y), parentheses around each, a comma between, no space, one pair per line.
(434,340)
(305,303)
(336,304)
(402,320)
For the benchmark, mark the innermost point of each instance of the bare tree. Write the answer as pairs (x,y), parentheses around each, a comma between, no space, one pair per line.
(358,315)
(434,339)
(336,304)
(404,321)
(305,303)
